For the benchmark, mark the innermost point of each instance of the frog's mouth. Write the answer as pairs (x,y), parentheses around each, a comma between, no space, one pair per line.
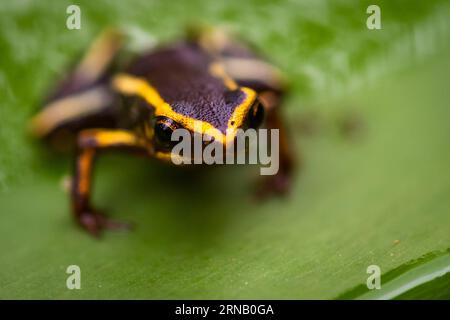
(168,156)
(227,155)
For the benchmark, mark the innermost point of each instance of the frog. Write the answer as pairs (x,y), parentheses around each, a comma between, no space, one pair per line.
(132,102)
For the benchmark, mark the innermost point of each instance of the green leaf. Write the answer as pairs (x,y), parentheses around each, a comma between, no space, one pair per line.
(368,113)
(427,277)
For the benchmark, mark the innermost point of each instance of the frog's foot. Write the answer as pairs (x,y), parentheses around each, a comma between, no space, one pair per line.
(276,185)
(95,222)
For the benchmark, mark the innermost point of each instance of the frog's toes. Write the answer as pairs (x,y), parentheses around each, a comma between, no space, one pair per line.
(276,185)
(95,222)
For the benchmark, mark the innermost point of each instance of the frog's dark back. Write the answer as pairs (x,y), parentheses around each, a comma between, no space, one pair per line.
(181,75)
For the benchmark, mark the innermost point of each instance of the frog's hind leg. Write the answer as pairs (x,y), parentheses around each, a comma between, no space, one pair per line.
(240,60)
(59,121)
(83,99)
(281,182)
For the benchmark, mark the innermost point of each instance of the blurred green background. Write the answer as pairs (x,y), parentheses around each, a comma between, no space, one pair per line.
(368,111)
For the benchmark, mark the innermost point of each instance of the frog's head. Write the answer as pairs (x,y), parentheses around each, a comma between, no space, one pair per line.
(217,113)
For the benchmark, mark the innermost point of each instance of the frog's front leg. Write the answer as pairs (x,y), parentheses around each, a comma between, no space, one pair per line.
(90,142)
(281,182)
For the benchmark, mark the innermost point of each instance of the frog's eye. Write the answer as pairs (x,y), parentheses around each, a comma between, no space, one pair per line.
(164,128)
(255,115)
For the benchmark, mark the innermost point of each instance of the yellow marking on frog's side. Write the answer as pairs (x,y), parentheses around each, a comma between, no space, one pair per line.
(103,138)
(131,85)
(239,114)
(69,108)
(107,138)
(217,70)
(253,69)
